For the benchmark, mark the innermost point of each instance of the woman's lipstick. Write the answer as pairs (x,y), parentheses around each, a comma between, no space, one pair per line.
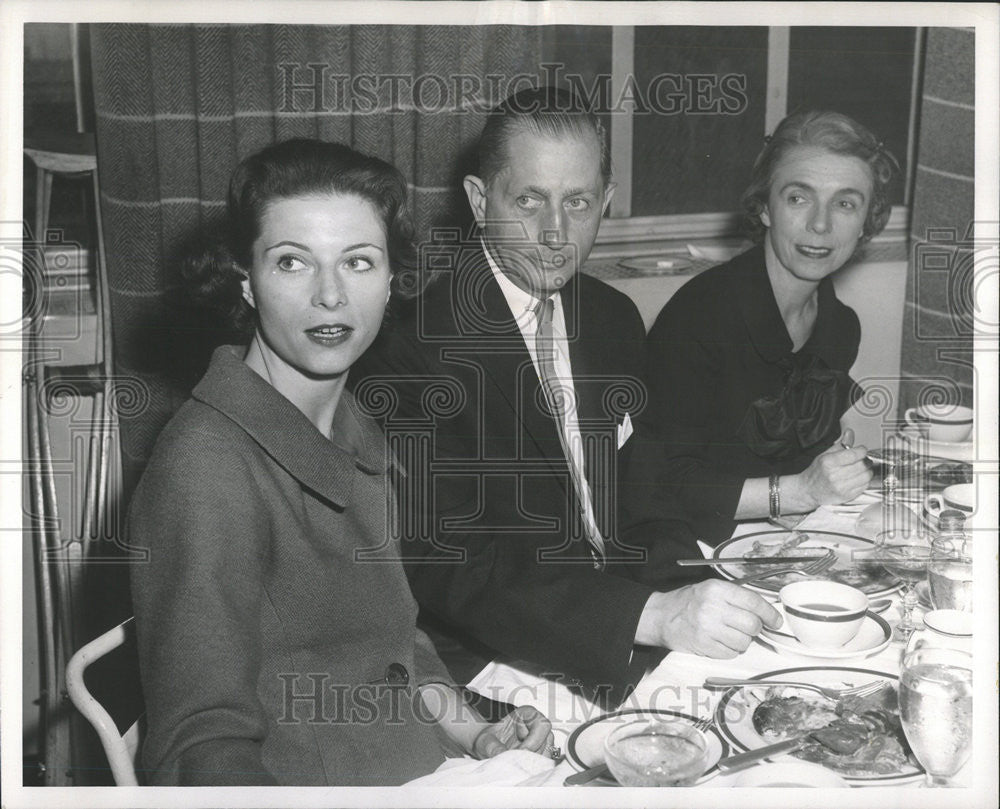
(813,252)
(330,334)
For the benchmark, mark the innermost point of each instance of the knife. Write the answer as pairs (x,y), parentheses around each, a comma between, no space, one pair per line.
(743,760)
(836,736)
(753,560)
(586,776)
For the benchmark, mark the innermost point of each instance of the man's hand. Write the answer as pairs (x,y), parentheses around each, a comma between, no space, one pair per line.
(523,728)
(712,618)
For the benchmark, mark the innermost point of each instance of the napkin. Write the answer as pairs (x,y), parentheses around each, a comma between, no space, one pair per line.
(510,768)
(520,684)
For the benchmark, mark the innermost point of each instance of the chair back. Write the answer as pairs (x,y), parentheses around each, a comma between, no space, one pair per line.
(116,680)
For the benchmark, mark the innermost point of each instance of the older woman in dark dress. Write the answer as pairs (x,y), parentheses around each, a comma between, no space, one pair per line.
(748,363)
(277,634)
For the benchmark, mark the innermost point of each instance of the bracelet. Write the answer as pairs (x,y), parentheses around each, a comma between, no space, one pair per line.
(774,497)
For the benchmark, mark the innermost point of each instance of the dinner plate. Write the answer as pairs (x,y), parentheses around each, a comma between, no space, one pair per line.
(953,451)
(790,774)
(872,638)
(666,264)
(876,583)
(585,747)
(734,714)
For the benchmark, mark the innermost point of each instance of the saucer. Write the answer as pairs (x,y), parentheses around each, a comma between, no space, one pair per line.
(872,638)
(952,451)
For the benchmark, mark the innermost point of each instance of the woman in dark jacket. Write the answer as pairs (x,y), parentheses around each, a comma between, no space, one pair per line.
(277,634)
(748,363)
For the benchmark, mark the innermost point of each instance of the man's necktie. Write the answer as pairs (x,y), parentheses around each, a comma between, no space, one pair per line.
(558,395)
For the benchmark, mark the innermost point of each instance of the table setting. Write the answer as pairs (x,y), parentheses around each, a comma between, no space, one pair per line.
(879,620)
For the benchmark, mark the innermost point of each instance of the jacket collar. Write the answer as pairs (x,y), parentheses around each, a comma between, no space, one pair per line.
(474,273)
(762,317)
(324,465)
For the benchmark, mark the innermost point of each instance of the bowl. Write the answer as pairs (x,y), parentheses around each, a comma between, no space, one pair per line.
(823,614)
(951,628)
(655,753)
(959,497)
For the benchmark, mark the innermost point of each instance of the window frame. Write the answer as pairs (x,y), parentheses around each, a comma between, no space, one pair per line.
(621,233)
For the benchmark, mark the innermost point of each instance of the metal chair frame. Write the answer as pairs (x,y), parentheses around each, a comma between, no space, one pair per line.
(58,562)
(121,749)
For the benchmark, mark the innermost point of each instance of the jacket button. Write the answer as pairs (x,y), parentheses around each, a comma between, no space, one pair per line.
(396,674)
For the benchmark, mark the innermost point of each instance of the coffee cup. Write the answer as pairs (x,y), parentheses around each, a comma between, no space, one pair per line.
(944,629)
(960,497)
(823,614)
(948,423)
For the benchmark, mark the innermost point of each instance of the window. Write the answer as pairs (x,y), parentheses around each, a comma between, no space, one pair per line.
(687,108)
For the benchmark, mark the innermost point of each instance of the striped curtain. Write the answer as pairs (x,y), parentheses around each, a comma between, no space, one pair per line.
(938,321)
(178,106)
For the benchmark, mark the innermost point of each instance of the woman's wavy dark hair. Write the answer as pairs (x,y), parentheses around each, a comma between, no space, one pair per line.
(214,270)
(836,133)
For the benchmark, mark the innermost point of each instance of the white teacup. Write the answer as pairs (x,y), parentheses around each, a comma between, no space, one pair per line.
(947,422)
(823,614)
(948,629)
(960,497)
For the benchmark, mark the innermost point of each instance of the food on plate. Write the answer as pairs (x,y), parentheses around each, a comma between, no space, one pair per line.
(868,578)
(948,474)
(856,576)
(782,547)
(779,717)
(856,736)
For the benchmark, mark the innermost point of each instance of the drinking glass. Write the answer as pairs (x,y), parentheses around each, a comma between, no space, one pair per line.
(905,554)
(950,573)
(935,709)
(889,515)
(654,753)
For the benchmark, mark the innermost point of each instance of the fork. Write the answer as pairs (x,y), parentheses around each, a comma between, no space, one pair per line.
(865,690)
(818,566)
(704,724)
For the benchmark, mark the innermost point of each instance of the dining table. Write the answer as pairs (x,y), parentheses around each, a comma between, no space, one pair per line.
(676,685)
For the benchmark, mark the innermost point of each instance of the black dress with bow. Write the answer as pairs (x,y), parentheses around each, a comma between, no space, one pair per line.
(729,399)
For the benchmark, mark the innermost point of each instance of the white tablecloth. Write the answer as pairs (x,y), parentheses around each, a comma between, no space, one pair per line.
(675,684)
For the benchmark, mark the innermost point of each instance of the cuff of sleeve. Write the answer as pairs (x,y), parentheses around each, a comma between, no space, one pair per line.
(613,673)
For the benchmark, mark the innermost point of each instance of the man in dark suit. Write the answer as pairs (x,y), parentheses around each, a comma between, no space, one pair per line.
(506,396)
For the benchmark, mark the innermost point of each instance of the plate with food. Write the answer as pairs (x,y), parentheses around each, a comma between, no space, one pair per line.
(874,636)
(859,738)
(931,477)
(585,748)
(849,568)
(790,774)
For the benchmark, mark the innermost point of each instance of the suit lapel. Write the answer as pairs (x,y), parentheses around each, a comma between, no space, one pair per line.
(510,374)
